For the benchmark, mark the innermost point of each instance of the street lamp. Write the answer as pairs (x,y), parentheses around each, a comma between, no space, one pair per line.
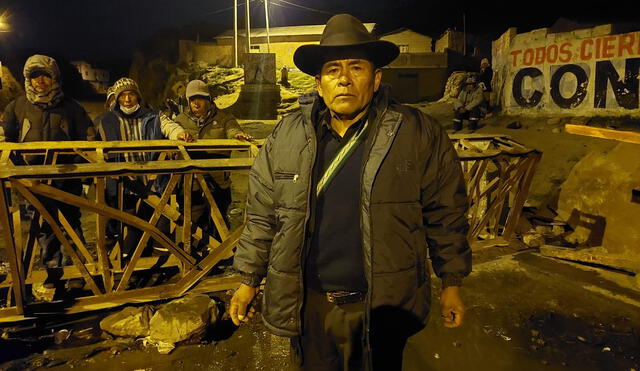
(4,26)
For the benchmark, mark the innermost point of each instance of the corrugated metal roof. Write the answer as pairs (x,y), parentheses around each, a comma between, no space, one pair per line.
(284,31)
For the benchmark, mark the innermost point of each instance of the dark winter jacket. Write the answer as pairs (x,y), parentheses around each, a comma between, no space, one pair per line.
(412,196)
(217,124)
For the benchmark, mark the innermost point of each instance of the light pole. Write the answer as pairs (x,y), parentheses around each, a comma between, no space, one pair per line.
(248,25)
(266,15)
(235,33)
(4,26)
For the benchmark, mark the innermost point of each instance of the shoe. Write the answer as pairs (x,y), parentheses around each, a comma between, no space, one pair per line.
(473,125)
(457,126)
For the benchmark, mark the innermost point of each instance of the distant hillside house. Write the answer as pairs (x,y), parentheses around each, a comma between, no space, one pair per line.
(409,41)
(97,77)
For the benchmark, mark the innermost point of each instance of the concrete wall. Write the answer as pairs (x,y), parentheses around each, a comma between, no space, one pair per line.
(415,84)
(583,72)
(452,40)
(409,41)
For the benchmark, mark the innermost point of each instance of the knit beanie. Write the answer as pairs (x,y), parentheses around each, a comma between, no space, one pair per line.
(197,88)
(125,84)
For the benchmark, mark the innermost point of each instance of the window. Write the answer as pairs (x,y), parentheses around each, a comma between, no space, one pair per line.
(404,48)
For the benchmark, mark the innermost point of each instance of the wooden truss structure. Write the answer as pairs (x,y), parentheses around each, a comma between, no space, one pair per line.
(497,169)
(498,172)
(106,275)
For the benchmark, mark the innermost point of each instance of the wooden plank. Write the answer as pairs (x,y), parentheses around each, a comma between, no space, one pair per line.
(209,262)
(125,168)
(101,226)
(590,131)
(216,215)
(17,237)
(145,145)
(74,237)
(186,213)
(71,271)
(58,232)
(11,251)
(591,256)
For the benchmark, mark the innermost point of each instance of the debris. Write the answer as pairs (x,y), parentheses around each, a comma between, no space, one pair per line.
(533,239)
(582,339)
(514,125)
(42,293)
(457,344)
(556,130)
(436,356)
(606,349)
(129,322)
(553,121)
(60,336)
(182,319)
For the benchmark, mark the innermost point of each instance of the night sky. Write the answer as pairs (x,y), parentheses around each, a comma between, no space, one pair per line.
(113,29)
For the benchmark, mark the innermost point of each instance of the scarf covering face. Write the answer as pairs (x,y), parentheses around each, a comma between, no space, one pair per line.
(48,64)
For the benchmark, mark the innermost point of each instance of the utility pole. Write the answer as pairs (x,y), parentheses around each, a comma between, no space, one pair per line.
(266,15)
(235,33)
(248,26)
(464,34)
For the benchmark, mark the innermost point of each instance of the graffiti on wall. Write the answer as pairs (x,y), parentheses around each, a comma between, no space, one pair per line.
(597,73)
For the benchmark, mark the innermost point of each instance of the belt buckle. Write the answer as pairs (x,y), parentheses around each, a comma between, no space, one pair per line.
(343,297)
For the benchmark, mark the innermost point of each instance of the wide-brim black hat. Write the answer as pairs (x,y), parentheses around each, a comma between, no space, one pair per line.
(344,37)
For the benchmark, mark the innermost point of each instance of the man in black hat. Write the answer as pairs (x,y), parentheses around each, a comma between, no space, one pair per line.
(344,198)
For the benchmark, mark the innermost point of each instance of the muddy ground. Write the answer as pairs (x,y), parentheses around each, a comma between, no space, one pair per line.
(524,311)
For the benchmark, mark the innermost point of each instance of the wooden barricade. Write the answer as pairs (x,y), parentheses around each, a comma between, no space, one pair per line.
(100,264)
(498,172)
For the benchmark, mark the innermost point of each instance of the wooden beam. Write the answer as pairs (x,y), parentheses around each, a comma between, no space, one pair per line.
(11,251)
(590,131)
(124,168)
(590,256)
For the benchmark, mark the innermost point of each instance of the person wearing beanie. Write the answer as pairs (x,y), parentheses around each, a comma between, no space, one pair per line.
(204,120)
(468,105)
(131,119)
(45,113)
(346,199)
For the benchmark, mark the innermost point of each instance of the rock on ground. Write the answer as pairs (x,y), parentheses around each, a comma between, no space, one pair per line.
(129,322)
(183,319)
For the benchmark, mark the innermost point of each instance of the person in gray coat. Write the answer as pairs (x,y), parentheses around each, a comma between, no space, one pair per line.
(346,198)
(468,105)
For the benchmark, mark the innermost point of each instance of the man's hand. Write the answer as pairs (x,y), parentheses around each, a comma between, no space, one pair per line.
(240,301)
(451,306)
(185,137)
(243,136)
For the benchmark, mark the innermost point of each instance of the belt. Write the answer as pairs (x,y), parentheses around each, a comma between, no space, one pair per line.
(345,297)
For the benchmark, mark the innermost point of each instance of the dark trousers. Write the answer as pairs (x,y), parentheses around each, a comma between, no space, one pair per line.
(474,115)
(52,254)
(333,339)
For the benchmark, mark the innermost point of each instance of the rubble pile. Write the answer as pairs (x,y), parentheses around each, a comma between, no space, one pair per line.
(11,88)
(182,320)
(453,86)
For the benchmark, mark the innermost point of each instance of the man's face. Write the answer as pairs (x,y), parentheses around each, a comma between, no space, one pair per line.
(199,105)
(347,85)
(128,99)
(41,82)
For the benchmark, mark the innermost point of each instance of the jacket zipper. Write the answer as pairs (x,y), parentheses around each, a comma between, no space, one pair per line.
(368,304)
(311,142)
(283,175)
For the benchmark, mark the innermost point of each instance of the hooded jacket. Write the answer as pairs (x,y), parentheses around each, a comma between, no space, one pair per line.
(44,117)
(469,99)
(413,196)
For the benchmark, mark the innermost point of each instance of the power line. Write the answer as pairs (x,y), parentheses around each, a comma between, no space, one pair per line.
(300,6)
